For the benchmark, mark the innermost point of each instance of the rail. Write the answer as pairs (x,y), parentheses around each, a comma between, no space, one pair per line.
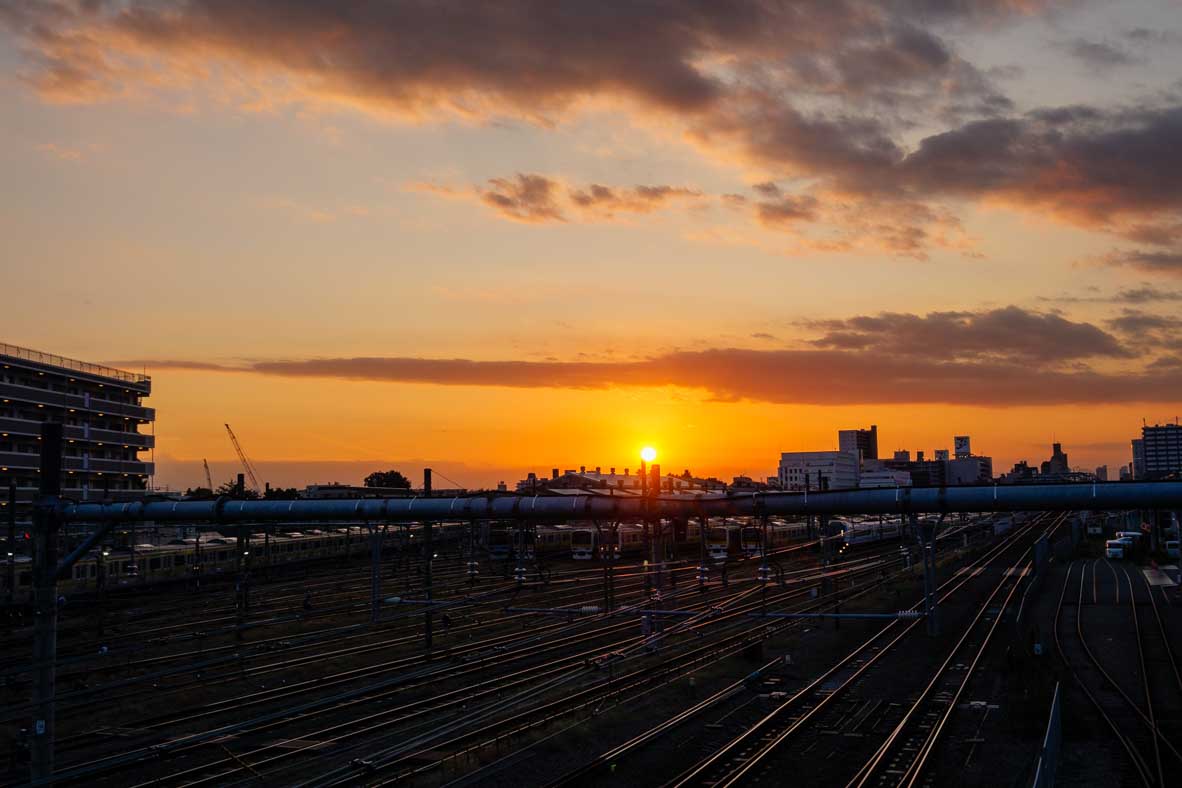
(50,359)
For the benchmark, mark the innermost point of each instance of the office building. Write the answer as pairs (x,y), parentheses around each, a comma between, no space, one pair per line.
(961,447)
(819,470)
(1161,446)
(864,442)
(1102,473)
(106,428)
(1139,458)
(1057,464)
(941,455)
(969,470)
(885,477)
(902,455)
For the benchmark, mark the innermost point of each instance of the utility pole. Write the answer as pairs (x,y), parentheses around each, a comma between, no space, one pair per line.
(428,559)
(45,532)
(926,531)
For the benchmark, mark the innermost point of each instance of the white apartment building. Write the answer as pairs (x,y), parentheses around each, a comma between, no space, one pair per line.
(812,470)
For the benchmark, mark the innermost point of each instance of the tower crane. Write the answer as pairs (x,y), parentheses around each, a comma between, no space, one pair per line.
(208,478)
(246,466)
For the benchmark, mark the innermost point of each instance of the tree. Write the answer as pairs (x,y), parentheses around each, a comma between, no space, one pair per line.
(387,479)
(282,494)
(231,488)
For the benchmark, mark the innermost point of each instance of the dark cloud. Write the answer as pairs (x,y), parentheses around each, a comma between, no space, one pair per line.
(763,335)
(607,201)
(1169,263)
(1011,333)
(1148,329)
(1098,55)
(1143,294)
(786,210)
(534,198)
(525,198)
(1092,167)
(823,90)
(778,376)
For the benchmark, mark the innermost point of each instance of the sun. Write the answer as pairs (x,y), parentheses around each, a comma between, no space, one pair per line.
(648,454)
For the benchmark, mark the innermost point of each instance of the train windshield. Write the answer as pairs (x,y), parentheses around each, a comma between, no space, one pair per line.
(582,538)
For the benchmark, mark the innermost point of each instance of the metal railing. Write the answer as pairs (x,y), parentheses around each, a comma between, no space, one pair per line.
(16,351)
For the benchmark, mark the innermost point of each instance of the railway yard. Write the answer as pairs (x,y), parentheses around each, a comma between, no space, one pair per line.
(759,656)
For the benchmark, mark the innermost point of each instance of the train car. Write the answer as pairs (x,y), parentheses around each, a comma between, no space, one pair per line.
(723,541)
(751,540)
(858,533)
(1172,549)
(584,543)
(1115,548)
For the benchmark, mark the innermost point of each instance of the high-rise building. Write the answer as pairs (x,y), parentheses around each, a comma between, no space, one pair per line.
(902,455)
(814,470)
(1102,473)
(1162,448)
(1139,457)
(1057,464)
(961,447)
(102,416)
(941,455)
(864,442)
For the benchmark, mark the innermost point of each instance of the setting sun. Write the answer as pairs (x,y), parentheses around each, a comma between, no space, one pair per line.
(648,454)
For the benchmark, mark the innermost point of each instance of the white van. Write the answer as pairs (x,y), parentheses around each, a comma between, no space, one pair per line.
(1115,548)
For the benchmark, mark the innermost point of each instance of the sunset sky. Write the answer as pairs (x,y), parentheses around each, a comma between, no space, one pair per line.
(501,237)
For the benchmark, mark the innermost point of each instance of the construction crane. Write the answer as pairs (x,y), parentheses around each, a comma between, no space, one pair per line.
(208,478)
(246,466)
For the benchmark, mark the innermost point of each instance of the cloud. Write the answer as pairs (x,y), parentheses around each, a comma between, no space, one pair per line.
(1098,55)
(785,210)
(1142,294)
(1169,263)
(1010,333)
(764,335)
(537,199)
(606,202)
(999,357)
(826,92)
(1148,329)
(828,377)
(525,198)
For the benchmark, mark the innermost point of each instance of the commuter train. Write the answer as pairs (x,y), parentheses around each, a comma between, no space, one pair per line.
(723,539)
(212,556)
(868,531)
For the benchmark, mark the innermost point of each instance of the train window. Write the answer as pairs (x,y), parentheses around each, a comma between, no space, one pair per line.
(154,563)
(93,570)
(26,579)
(180,560)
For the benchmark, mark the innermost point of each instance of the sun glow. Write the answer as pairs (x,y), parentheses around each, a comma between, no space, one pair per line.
(648,454)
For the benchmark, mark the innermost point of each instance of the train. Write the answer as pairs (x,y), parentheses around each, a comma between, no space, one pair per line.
(210,555)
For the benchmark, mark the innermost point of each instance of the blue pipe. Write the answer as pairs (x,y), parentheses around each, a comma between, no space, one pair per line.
(902,500)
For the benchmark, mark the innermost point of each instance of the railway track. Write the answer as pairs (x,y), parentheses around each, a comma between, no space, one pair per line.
(868,567)
(744,755)
(1131,724)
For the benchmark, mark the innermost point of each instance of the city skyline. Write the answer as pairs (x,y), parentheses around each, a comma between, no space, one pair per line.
(522,240)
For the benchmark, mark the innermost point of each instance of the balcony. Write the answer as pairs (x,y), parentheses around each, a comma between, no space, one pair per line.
(23,461)
(62,400)
(114,437)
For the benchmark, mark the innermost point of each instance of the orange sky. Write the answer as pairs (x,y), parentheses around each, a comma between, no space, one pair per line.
(500,242)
